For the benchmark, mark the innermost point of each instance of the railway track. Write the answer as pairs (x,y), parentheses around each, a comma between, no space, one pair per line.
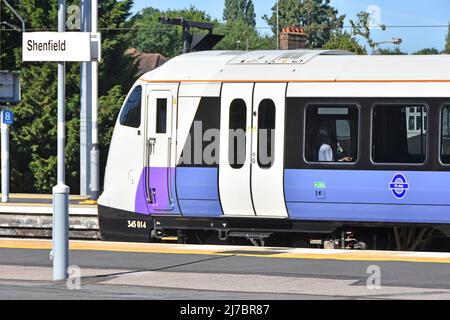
(30,216)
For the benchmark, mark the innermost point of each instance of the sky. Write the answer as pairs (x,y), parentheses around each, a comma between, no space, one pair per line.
(391,13)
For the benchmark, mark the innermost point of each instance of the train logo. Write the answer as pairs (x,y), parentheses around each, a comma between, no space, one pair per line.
(399,186)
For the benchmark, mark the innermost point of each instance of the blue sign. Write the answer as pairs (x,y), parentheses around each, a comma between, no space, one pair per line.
(7,117)
(399,186)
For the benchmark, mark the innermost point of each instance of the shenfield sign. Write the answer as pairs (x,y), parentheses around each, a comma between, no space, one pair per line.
(61,46)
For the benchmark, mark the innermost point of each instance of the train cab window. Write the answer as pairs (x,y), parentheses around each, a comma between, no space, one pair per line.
(161,115)
(399,133)
(237,134)
(445,134)
(266,133)
(331,133)
(131,113)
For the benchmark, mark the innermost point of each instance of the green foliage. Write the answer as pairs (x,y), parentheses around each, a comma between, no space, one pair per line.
(149,35)
(344,41)
(115,68)
(33,135)
(361,27)
(241,36)
(391,52)
(427,51)
(317,17)
(109,106)
(239,28)
(240,10)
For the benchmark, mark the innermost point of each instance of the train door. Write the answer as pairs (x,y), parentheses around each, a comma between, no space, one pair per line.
(235,142)
(267,153)
(158,146)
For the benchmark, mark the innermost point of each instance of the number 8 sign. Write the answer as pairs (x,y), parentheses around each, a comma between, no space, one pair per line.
(7,117)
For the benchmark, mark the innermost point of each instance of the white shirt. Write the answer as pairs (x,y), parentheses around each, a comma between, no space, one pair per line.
(325,153)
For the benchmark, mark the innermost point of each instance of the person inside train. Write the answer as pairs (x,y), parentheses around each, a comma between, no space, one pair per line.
(326,153)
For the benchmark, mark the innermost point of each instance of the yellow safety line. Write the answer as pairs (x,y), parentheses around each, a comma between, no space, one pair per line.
(170,249)
(42,196)
(28,204)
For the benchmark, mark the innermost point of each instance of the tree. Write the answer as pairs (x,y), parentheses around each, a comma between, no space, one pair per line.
(149,35)
(427,51)
(344,41)
(239,10)
(239,28)
(390,52)
(447,44)
(317,17)
(33,136)
(361,27)
(116,68)
(241,36)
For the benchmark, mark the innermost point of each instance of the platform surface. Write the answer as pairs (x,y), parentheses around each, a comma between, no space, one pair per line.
(42,204)
(112,270)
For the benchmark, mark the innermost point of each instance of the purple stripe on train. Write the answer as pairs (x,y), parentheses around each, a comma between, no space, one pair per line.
(155,181)
(197,189)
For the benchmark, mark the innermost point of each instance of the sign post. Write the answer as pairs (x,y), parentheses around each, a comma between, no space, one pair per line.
(60,47)
(6,118)
(95,151)
(9,94)
(85,108)
(61,190)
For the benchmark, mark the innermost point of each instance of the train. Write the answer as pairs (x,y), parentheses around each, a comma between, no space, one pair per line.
(307,148)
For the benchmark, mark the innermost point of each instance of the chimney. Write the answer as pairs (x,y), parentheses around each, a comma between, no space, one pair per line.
(292,38)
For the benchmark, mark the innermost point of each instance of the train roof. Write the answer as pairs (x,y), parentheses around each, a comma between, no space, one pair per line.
(300,66)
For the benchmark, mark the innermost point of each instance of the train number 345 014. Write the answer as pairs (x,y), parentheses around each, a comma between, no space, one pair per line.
(136,224)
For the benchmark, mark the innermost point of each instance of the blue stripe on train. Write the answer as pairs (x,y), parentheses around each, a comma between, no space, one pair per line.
(366,196)
(197,190)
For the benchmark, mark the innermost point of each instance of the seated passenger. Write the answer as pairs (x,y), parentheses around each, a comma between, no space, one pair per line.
(326,152)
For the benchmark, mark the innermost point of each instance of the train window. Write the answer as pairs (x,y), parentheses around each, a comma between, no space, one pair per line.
(237,134)
(202,147)
(161,115)
(445,135)
(331,133)
(266,133)
(399,133)
(131,113)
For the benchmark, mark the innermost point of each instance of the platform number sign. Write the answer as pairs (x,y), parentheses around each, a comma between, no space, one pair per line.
(7,117)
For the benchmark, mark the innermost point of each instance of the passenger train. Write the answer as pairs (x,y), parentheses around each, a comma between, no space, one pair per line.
(301,148)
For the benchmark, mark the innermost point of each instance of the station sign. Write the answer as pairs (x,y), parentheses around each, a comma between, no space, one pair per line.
(7,117)
(61,46)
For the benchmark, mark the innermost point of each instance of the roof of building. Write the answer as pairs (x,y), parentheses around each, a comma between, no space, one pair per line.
(146,62)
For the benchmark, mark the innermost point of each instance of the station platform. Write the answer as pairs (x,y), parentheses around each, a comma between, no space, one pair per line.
(113,270)
(30,216)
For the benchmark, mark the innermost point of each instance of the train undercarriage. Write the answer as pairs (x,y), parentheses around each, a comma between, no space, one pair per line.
(119,225)
(303,235)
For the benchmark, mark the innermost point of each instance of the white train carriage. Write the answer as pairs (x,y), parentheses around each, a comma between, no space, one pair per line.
(229,143)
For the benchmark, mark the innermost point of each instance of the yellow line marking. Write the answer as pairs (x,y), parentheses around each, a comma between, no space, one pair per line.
(88,202)
(42,196)
(25,204)
(216,250)
(28,204)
